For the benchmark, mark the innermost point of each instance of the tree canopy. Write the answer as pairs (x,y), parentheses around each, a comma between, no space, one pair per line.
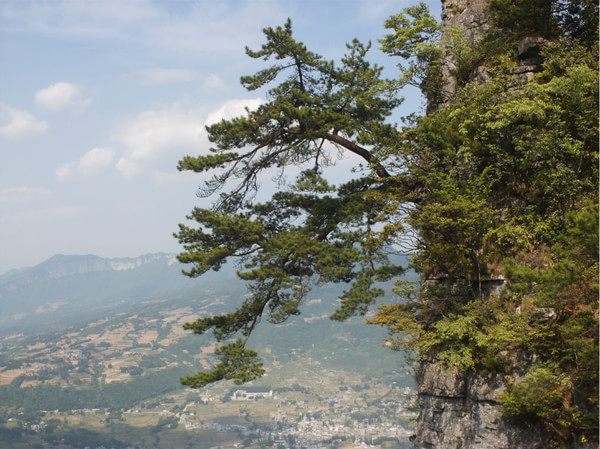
(498,182)
(310,231)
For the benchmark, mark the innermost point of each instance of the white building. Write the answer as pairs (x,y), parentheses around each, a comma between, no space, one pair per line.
(251,394)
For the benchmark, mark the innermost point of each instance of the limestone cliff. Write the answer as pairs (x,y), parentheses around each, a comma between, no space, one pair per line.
(470,18)
(461,410)
(60,266)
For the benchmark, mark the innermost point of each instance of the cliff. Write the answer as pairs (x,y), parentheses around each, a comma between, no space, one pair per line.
(461,409)
(60,266)
(471,19)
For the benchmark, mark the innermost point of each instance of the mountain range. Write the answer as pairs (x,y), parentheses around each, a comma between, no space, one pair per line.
(80,285)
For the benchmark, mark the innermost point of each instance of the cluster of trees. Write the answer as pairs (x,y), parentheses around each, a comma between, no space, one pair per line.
(67,437)
(115,396)
(499,179)
(165,422)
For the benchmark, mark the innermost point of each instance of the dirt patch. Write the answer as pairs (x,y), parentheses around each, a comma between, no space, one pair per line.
(8,376)
(147,336)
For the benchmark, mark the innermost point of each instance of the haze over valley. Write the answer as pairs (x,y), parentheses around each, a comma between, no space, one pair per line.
(92,350)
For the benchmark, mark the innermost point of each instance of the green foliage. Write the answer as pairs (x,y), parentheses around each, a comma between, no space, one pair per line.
(415,33)
(114,395)
(317,103)
(523,15)
(501,183)
(169,422)
(310,232)
(576,19)
(415,38)
(456,222)
(81,438)
(564,287)
(541,396)
(508,176)
(237,363)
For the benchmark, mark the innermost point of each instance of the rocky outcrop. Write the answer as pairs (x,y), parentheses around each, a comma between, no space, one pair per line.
(461,410)
(471,18)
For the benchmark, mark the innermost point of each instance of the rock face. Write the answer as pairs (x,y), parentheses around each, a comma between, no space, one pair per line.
(471,18)
(60,266)
(468,15)
(461,410)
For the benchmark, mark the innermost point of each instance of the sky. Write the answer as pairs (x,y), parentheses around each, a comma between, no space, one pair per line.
(100,99)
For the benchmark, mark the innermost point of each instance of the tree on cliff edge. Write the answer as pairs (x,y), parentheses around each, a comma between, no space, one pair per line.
(309,232)
(501,179)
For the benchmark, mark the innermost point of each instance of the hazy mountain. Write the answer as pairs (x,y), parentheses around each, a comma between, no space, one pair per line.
(72,286)
(60,266)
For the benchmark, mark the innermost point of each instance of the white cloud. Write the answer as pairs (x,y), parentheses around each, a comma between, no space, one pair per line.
(233,108)
(155,133)
(23,193)
(64,171)
(214,82)
(128,167)
(166,76)
(170,131)
(61,96)
(16,124)
(95,160)
(90,164)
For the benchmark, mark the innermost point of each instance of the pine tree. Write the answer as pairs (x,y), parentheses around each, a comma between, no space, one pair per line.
(310,231)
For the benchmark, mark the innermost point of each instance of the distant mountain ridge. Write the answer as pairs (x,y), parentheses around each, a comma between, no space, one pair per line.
(78,284)
(66,265)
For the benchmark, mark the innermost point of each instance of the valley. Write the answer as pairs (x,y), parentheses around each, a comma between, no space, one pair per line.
(112,380)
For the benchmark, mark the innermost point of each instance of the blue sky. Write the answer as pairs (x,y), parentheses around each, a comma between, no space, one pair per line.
(100,99)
